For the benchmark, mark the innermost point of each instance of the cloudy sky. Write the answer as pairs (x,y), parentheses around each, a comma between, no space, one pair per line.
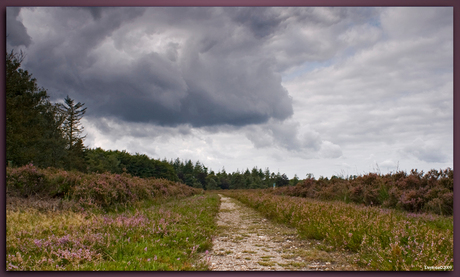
(324,90)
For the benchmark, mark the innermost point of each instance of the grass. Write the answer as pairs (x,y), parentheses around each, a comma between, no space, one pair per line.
(147,236)
(265,263)
(383,239)
(292,264)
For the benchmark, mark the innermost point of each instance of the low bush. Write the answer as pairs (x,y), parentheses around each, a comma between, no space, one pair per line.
(102,190)
(414,192)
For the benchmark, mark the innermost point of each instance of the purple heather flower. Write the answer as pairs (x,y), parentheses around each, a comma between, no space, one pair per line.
(38,242)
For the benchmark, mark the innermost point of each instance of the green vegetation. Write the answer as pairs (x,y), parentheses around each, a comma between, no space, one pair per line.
(384,239)
(196,175)
(149,236)
(101,161)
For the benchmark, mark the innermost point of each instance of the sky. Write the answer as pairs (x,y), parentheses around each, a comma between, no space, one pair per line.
(321,90)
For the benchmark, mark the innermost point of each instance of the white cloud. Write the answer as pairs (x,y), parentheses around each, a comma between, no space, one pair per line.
(428,151)
(409,22)
(330,150)
(388,164)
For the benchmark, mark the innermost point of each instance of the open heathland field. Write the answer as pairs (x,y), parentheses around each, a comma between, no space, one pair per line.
(58,220)
(149,236)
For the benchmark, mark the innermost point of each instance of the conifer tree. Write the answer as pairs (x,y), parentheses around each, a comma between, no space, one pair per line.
(72,131)
(72,125)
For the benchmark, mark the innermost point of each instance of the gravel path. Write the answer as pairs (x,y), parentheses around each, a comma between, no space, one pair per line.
(247,241)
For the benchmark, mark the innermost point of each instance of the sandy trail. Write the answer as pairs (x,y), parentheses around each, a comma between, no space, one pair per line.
(247,241)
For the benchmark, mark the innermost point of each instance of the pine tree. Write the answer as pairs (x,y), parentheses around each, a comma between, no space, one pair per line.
(72,126)
(72,131)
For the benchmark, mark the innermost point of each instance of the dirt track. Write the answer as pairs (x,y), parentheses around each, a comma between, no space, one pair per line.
(247,241)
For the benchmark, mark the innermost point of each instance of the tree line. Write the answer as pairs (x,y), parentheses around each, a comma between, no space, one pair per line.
(49,134)
(197,175)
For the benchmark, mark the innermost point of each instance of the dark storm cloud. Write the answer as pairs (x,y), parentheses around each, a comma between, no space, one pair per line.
(158,94)
(261,21)
(165,66)
(15,30)
(96,12)
(61,52)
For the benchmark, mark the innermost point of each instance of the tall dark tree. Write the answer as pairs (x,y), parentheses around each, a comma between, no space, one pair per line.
(33,133)
(212,181)
(224,180)
(53,144)
(99,160)
(73,129)
(294,180)
(72,125)
(281,180)
(237,180)
(200,172)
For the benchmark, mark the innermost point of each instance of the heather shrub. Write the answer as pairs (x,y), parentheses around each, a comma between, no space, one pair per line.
(356,193)
(25,181)
(106,190)
(446,179)
(414,192)
(368,180)
(371,195)
(410,182)
(411,200)
(62,181)
(441,205)
(335,189)
(366,189)
(92,190)
(327,193)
